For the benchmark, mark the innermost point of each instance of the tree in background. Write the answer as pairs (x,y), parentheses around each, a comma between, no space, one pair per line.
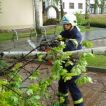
(60,2)
(87,14)
(38,15)
(96,6)
(102,6)
(99,4)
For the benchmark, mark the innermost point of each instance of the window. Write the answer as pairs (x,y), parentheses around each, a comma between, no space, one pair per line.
(71,5)
(80,6)
(63,5)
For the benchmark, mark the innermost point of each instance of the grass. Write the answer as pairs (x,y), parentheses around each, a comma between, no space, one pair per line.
(98,61)
(5,36)
(95,20)
(50,31)
(59,28)
(9,36)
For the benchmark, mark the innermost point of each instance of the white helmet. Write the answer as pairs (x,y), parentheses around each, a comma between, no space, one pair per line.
(69,18)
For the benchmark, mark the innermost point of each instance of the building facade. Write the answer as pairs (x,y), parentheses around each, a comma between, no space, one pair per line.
(16,14)
(76,6)
(73,6)
(21,13)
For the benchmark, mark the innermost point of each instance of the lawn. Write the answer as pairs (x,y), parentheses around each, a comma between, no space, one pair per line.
(9,35)
(49,31)
(5,36)
(98,61)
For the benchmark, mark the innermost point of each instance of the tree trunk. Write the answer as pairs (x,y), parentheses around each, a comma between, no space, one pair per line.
(95,7)
(87,14)
(38,14)
(61,8)
(102,6)
(97,50)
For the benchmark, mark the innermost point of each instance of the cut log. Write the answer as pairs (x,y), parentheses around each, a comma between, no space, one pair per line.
(97,50)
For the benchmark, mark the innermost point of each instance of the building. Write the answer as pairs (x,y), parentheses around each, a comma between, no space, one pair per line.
(76,6)
(16,14)
(73,6)
(21,13)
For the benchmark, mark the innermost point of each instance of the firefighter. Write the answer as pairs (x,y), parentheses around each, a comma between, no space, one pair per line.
(72,38)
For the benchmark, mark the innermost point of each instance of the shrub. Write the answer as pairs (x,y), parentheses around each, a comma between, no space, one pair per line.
(98,21)
(81,19)
(51,21)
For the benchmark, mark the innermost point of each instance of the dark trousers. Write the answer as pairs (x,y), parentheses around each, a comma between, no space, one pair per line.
(72,87)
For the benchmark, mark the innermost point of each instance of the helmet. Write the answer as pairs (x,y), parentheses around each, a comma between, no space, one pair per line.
(69,18)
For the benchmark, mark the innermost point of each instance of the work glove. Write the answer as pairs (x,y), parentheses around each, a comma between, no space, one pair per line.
(59,38)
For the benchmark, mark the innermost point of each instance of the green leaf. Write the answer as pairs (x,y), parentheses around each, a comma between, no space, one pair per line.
(13,100)
(29,92)
(83,80)
(17,66)
(88,55)
(63,72)
(56,103)
(62,99)
(67,78)
(37,97)
(76,70)
(3,64)
(40,57)
(35,75)
(69,63)
(34,87)
(3,82)
(87,44)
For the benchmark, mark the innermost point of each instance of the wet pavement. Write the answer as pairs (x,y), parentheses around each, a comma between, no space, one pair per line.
(94,94)
(94,33)
(97,35)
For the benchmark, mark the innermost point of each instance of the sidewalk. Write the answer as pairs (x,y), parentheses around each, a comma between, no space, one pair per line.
(22,44)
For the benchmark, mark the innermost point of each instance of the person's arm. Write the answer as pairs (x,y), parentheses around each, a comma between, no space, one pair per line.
(77,38)
(60,37)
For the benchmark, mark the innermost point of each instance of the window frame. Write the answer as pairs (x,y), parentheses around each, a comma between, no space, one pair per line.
(80,5)
(71,5)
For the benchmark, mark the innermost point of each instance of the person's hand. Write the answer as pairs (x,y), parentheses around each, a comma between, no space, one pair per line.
(59,38)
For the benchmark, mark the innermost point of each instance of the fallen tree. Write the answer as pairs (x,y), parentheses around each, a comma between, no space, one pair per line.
(97,50)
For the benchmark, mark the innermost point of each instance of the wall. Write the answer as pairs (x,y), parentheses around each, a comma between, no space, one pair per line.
(75,6)
(16,14)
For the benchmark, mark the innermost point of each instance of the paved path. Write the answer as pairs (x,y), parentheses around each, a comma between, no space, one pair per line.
(22,44)
(95,33)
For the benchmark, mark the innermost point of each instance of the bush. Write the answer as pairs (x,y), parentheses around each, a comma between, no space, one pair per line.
(98,20)
(81,19)
(51,21)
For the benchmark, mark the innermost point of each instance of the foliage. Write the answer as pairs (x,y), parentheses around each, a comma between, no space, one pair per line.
(87,44)
(50,30)
(51,21)
(11,89)
(9,35)
(3,64)
(81,19)
(97,61)
(98,21)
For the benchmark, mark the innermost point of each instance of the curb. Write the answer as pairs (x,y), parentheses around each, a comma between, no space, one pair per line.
(96,69)
(89,68)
